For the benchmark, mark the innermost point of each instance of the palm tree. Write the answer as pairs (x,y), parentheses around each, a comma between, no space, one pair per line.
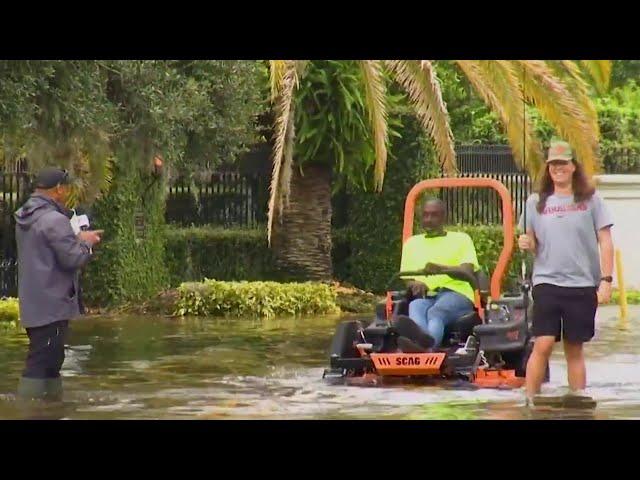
(299,218)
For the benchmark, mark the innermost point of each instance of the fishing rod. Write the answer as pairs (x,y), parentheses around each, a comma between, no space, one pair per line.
(523,266)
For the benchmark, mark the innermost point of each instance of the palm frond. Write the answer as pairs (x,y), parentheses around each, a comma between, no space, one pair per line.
(419,80)
(301,68)
(579,88)
(277,70)
(600,71)
(499,87)
(375,96)
(287,162)
(557,105)
(283,122)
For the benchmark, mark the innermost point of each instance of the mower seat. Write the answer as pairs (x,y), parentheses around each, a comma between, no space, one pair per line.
(458,332)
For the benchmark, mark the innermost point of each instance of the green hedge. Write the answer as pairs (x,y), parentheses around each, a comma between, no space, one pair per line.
(633,297)
(488,242)
(193,254)
(255,299)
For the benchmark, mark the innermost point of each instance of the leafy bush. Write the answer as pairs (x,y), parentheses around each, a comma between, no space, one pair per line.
(9,311)
(488,242)
(255,299)
(619,118)
(633,297)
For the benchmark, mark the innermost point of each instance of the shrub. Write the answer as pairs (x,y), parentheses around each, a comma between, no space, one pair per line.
(193,254)
(9,312)
(255,299)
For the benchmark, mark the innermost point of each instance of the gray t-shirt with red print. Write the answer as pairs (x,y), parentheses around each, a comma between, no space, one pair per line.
(566,232)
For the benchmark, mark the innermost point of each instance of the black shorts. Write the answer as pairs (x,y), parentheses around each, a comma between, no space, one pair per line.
(564,310)
(46,350)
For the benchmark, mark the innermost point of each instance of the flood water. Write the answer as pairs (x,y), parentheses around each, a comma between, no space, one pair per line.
(204,368)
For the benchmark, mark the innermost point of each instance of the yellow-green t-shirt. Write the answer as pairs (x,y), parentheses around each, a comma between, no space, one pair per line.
(452,249)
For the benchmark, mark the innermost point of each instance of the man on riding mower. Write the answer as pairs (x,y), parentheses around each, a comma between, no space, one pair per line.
(444,293)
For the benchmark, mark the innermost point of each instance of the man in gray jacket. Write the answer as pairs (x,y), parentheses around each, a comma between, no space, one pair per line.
(50,257)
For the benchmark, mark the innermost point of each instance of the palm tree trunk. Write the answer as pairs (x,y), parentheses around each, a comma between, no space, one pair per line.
(302,236)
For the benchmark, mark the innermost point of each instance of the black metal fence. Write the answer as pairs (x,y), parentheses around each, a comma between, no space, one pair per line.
(623,160)
(475,206)
(485,159)
(484,205)
(15,188)
(238,198)
(229,199)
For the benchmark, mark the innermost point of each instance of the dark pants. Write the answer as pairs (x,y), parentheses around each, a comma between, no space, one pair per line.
(46,350)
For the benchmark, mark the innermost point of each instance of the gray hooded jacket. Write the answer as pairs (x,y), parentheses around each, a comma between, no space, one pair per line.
(50,257)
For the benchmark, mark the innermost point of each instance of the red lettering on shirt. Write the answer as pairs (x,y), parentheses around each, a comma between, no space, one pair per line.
(574,207)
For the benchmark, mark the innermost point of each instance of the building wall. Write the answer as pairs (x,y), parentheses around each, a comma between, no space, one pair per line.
(621,194)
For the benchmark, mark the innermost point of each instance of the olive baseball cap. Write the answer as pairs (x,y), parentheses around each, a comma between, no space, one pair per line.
(559,150)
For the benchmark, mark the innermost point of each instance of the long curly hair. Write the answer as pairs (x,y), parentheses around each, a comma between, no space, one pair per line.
(582,187)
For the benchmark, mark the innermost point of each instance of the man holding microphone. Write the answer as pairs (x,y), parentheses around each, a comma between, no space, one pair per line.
(50,256)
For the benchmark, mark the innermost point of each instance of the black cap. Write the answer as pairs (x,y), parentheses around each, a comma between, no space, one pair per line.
(50,177)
